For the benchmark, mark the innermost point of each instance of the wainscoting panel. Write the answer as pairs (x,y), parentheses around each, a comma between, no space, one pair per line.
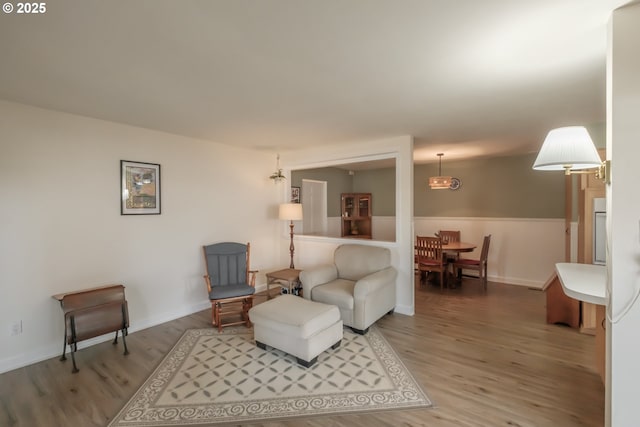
(523,251)
(383,227)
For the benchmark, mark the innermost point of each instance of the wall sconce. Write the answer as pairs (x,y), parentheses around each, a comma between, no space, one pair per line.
(571,149)
(439,182)
(290,212)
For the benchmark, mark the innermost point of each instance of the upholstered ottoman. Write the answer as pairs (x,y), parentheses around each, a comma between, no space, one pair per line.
(297,326)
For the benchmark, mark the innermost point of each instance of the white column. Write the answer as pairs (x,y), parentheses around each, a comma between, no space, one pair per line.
(623,222)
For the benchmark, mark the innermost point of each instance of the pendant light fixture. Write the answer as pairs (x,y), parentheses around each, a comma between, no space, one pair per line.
(439,182)
(277,176)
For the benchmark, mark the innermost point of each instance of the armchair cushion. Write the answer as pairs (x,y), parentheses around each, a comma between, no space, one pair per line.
(337,292)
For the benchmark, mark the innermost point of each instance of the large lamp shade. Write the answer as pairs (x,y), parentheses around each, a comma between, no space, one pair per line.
(567,148)
(290,211)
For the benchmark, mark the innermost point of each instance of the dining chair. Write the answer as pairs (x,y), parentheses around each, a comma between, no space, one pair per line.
(450,236)
(429,257)
(479,265)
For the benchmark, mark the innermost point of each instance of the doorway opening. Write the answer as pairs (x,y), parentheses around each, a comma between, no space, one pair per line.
(314,206)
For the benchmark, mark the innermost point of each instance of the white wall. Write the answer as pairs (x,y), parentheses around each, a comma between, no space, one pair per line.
(61,228)
(312,251)
(623,208)
(522,251)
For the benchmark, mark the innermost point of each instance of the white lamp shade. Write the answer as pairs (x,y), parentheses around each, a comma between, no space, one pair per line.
(290,211)
(569,147)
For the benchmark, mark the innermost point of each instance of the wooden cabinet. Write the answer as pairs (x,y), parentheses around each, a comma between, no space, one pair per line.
(561,309)
(356,215)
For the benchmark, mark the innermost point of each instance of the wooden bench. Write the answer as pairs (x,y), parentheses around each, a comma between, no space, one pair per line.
(90,313)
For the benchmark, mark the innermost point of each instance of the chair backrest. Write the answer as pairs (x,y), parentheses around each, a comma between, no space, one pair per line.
(429,249)
(353,262)
(227,263)
(484,254)
(449,236)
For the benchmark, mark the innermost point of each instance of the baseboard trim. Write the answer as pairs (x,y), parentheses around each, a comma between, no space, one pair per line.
(404,309)
(51,351)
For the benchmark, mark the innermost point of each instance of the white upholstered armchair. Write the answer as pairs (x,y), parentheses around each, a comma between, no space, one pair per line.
(361,282)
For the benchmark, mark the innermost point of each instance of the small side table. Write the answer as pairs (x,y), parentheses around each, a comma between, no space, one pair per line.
(289,278)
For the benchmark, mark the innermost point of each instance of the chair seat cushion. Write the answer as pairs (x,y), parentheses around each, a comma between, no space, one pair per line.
(338,292)
(430,263)
(465,261)
(231,291)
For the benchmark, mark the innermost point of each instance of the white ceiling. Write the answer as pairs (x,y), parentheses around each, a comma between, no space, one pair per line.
(465,77)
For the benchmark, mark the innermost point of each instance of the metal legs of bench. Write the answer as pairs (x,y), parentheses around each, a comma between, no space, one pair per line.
(73,347)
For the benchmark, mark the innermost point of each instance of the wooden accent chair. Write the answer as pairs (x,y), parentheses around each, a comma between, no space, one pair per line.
(230,282)
(429,257)
(476,264)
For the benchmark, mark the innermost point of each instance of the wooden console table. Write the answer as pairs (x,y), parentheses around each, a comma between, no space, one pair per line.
(90,313)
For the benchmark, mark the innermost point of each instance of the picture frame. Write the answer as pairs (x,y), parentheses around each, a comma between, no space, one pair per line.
(295,194)
(140,191)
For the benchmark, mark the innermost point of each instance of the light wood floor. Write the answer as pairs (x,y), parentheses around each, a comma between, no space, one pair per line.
(485,360)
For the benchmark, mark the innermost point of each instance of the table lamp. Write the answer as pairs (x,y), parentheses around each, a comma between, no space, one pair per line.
(290,212)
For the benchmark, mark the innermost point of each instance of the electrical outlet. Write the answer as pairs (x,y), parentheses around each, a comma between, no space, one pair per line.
(16,327)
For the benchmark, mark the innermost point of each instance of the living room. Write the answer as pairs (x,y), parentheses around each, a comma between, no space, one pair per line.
(62,228)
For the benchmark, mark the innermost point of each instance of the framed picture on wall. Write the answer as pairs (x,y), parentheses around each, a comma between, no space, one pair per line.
(139,188)
(295,194)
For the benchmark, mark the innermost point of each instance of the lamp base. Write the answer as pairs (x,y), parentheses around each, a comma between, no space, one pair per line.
(291,248)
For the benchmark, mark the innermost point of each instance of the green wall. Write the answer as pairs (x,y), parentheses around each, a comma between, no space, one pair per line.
(497,187)
(338,181)
(381,183)
(500,187)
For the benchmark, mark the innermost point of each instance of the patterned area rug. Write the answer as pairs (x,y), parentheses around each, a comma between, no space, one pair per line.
(210,378)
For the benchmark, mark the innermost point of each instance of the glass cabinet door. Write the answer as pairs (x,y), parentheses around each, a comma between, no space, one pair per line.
(363,206)
(356,215)
(348,208)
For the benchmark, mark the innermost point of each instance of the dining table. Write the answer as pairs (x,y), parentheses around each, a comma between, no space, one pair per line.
(458,247)
(455,248)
